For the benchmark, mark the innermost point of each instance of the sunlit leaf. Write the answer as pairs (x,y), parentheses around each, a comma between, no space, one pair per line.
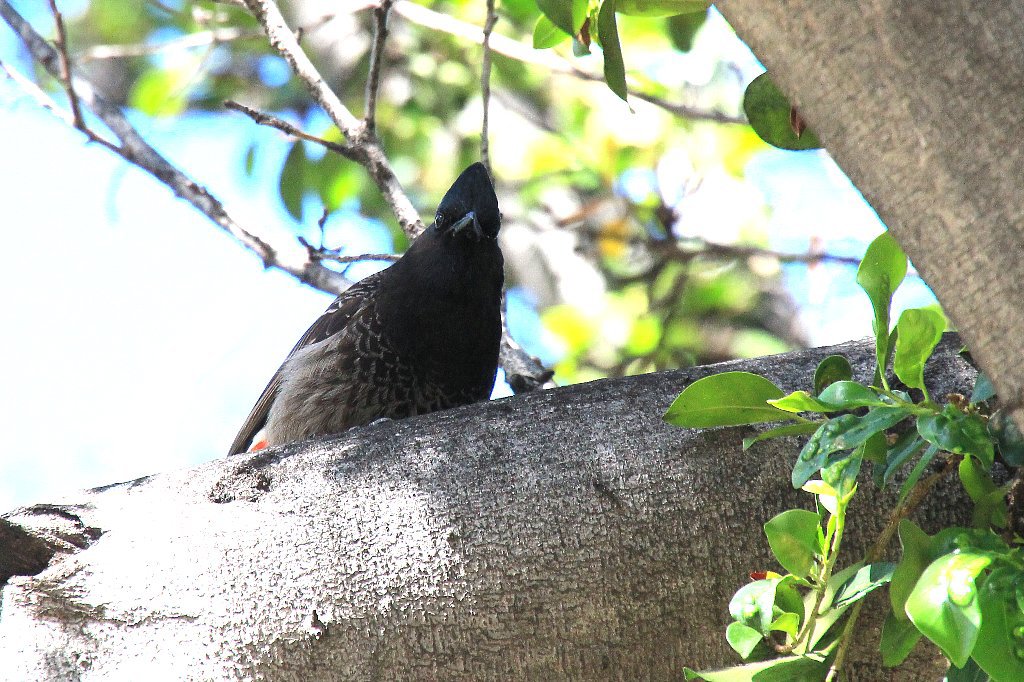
(920,330)
(944,604)
(546,34)
(830,370)
(726,399)
(880,273)
(793,536)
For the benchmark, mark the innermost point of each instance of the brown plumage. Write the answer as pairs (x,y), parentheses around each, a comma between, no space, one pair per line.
(419,336)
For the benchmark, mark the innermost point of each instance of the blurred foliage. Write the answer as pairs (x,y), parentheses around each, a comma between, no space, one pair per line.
(608,206)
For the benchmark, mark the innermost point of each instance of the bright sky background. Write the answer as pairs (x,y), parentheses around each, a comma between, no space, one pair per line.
(137,335)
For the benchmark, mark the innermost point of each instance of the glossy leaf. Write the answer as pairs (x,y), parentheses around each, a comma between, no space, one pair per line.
(801,401)
(850,394)
(769,113)
(794,536)
(863,582)
(841,433)
(830,370)
(801,429)
(753,604)
(970,672)
(808,668)
(999,647)
(944,604)
(955,431)
(920,330)
(743,638)
(880,273)
(614,67)
(726,399)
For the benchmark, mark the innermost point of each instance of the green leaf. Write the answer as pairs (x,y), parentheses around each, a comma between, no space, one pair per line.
(844,432)
(917,471)
(905,447)
(743,638)
(989,507)
(292,186)
(567,15)
(250,158)
(788,622)
(830,370)
(608,32)
(899,637)
(753,604)
(546,34)
(916,557)
(793,536)
(849,394)
(944,604)
(983,389)
(809,668)
(660,8)
(801,429)
(863,582)
(160,92)
(955,431)
(841,472)
(920,330)
(726,399)
(969,673)
(801,401)
(880,273)
(770,115)
(998,649)
(1008,438)
(683,28)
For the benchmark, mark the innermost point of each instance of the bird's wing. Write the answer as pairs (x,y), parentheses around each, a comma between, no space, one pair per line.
(330,323)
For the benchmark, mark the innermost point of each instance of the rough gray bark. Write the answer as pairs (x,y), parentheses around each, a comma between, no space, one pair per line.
(566,534)
(919,102)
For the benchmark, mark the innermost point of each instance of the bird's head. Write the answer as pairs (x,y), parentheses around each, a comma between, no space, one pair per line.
(470,206)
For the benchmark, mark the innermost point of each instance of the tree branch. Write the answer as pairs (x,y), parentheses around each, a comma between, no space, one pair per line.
(284,126)
(380,35)
(485,84)
(288,257)
(365,146)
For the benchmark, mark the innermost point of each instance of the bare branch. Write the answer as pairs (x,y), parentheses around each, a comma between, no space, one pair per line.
(485,84)
(284,126)
(290,257)
(513,49)
(65,66)
(380,35)
(364,144)
(185,42)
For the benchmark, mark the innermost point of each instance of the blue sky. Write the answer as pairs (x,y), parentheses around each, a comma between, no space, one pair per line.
(138,335)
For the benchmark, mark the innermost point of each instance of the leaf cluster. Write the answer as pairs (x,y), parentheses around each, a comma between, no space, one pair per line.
(962,588)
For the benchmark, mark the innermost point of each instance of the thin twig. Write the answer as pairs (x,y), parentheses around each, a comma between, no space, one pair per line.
(521,52)
(65,66)
(338,258)
(915,498)
(365,146)
(285,127)
(380,35)
(290,257)
(186,42)
(485,85)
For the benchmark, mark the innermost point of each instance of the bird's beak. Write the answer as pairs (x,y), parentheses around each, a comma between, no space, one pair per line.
(464,222)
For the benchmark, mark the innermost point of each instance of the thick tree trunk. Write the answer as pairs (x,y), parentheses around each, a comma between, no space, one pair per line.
(566,534)
(919,101)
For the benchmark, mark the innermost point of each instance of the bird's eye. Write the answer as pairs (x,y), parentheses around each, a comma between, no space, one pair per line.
(439,218)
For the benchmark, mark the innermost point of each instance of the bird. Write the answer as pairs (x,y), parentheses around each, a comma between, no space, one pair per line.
(419,336)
